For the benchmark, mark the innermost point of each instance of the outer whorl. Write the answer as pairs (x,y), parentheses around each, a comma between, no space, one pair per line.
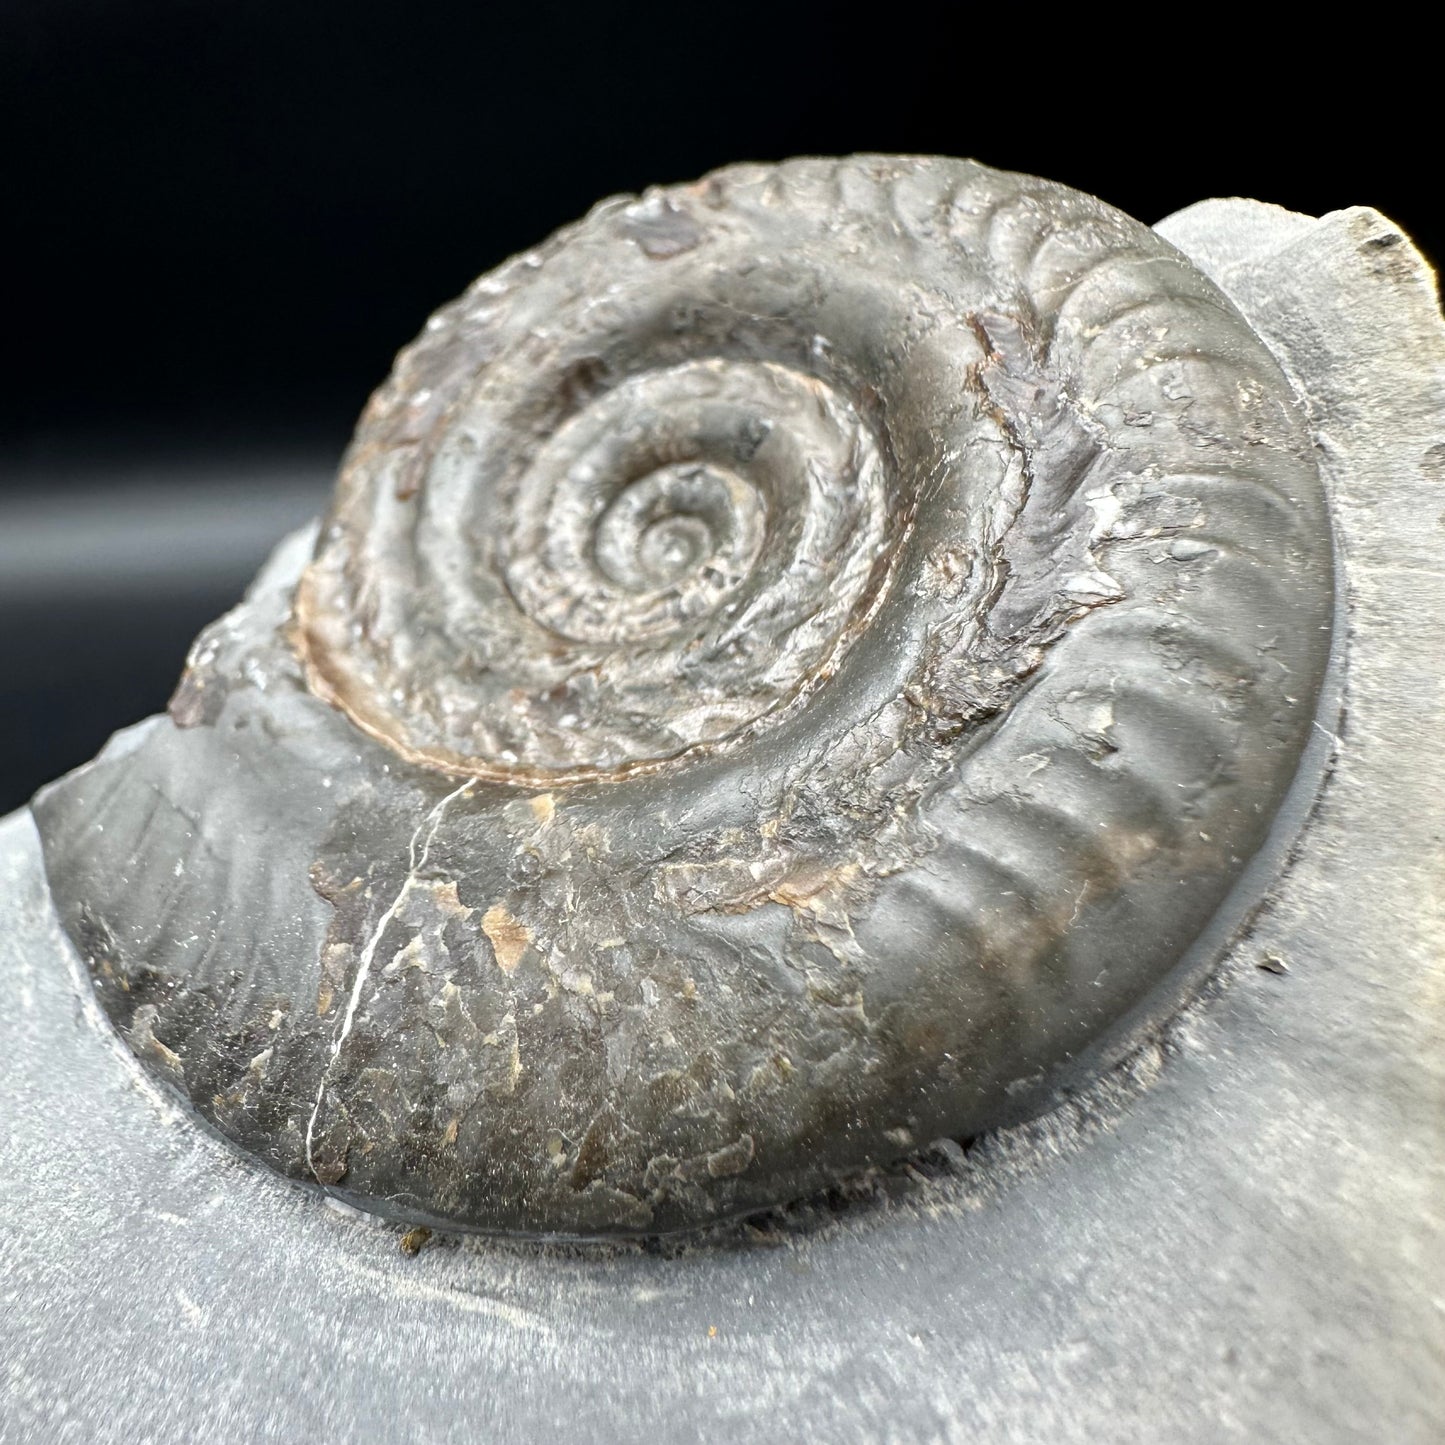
(793,662)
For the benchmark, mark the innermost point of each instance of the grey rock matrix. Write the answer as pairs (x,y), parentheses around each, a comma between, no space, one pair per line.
(1236,1234)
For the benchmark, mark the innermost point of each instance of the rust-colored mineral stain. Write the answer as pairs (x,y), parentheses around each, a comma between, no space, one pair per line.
(415,1240)
(508,937)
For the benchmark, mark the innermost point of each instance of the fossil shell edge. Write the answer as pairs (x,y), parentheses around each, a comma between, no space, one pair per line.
(792,662)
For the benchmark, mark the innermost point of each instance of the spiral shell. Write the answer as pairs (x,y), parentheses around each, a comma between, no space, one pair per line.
(793,665)
(678,557)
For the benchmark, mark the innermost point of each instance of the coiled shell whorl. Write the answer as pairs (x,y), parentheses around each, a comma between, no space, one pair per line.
(793,664)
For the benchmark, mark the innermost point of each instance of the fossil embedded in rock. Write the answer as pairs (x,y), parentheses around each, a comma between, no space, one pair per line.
(792,665)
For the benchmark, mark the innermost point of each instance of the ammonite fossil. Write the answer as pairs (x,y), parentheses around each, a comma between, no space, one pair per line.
(793,663)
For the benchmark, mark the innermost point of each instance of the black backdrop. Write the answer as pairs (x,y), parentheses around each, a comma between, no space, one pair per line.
(224,218)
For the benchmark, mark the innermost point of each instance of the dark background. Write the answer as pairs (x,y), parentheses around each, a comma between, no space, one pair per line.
(224,218)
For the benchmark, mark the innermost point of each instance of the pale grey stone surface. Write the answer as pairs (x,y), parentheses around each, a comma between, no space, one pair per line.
(1241,1237)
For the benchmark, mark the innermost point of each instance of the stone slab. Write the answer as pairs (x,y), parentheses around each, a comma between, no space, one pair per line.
(1240,1235)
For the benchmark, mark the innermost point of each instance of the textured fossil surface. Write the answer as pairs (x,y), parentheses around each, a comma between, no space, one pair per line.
(793,664)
